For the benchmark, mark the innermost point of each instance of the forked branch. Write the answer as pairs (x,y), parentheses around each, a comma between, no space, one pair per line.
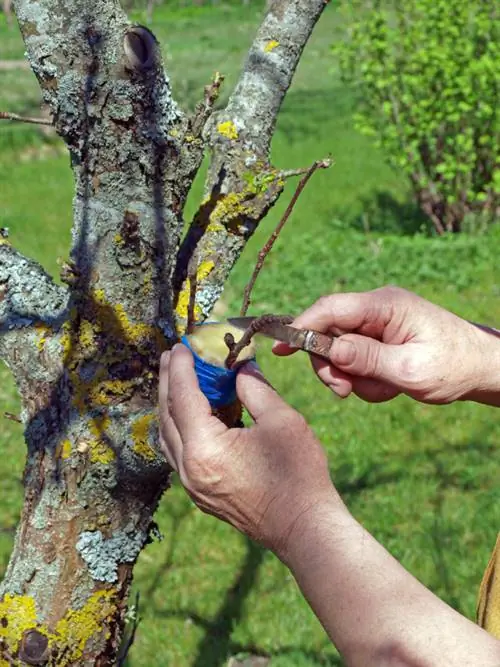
(257,325)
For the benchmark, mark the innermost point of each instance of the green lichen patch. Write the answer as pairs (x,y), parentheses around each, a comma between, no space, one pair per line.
(103,554)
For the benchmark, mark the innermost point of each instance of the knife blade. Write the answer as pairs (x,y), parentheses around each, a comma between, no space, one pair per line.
(303,339)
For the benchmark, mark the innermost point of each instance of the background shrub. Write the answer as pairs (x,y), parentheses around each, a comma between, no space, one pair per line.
(426,74)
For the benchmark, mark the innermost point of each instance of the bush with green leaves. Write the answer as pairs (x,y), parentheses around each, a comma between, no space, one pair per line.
(427,73)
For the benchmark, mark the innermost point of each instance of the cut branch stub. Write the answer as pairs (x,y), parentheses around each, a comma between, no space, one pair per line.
(140,47)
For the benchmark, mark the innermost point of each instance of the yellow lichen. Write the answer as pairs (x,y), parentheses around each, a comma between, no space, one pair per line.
(204,269)
(147,282)
(230,208)
(183,302)
(106,337)
(19,612)
(65,449)
(42,331)
(214,228)
(87,332)
(228,129)
(71,633)
(78,626)
(99,450)
(271,45)
(4,241)
(202,272)
(140,436)
(118,238)
(103,393)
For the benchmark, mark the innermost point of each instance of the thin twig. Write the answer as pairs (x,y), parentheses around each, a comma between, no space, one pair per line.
(289,173)
(6,115)
(320,164)
(257,325)
(13,418)
(204,109)
(127,645)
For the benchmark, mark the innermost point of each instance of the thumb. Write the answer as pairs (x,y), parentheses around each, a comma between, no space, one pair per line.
(256,393)
(366,357)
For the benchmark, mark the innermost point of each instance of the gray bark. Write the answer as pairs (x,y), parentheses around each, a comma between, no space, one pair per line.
(85,357)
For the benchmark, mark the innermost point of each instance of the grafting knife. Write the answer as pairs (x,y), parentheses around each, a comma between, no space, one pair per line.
(303,339)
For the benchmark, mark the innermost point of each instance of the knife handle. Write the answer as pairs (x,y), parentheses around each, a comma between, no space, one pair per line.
(318,343)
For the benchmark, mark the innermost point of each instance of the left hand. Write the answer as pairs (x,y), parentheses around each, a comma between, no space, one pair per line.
(261,479)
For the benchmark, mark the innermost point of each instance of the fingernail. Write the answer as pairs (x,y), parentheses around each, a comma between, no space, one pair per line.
(344,352)
(176,347)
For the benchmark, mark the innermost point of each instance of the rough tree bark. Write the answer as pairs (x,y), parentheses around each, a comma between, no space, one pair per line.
(85,356)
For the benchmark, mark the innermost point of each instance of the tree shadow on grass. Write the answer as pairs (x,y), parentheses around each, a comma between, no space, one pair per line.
(217,645)
(384,214)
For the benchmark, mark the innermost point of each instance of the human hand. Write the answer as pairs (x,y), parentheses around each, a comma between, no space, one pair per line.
(392,341)
(261,479)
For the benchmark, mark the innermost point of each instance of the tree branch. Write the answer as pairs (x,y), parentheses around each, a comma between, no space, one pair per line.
(241,185)
(31,306)
(271,63)
(322,164)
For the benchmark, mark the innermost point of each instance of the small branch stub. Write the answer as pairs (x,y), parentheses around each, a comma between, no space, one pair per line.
(34,649)
(140,48)
(6,115)
(12,418)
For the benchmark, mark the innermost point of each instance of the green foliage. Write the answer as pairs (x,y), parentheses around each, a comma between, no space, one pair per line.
(422,479)
(426,72)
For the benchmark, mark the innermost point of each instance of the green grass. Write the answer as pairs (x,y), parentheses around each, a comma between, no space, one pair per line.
(423,479)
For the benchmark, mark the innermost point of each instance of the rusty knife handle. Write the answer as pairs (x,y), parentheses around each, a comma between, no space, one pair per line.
(318,343)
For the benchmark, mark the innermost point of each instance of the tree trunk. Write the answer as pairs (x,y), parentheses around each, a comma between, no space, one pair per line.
(85,356)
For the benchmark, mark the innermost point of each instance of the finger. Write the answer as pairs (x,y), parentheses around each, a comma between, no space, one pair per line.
(189,407)
(256,393)
(333,378)
(366,357)
(170,440)
(282,349)
(374,391)
(366,312)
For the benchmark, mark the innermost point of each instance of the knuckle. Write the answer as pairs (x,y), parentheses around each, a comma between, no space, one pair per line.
(393,292)
(372,360)
(170,403)
(296,423)
(324,303)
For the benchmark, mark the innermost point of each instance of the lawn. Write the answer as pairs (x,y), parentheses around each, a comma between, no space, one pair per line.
(422,479)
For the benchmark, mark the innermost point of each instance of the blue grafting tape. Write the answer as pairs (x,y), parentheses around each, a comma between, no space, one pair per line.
(218,384)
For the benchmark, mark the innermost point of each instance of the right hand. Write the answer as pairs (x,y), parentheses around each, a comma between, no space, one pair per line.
(392,341)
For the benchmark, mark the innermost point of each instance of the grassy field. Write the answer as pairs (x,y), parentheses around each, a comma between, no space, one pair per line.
(423,479)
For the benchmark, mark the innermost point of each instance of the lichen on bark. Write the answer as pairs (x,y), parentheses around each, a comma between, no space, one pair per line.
(85,356)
